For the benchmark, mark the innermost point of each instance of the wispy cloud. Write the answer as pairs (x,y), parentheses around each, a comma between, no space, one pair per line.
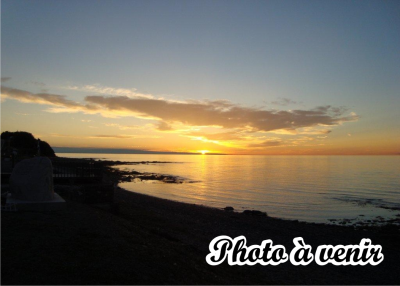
(223,136)
(99,89)
(64,135)
(58,103)
(315,130)
(103,136)
(125,127)
(218,113)
(284,102)
(4,79)
(123,136)
(40,98)
(214,113)
(39,84)
(111,136)
(267,143)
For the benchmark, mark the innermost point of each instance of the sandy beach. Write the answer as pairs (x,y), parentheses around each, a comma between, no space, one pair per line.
(156,241)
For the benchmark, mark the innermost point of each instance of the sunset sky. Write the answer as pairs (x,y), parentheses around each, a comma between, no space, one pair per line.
(234,77)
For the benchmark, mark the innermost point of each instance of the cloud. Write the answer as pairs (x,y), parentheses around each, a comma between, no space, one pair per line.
(39,84)
(213,113)
(267,143)
(283,102)
(4,79)
(142,136)
(95,88)
(123,136)
(111,136)
(125,127)
(63,135)
(223,136)
(41,98)
(218,113)
(57,103)
(311,131)
(302,140)
(163,126)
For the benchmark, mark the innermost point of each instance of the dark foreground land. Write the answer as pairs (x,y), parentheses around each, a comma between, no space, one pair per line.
(155,241)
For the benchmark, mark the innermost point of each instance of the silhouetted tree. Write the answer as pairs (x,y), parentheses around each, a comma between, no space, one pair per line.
(26,144)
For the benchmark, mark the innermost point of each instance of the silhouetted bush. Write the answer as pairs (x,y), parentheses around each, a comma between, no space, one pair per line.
(25,144)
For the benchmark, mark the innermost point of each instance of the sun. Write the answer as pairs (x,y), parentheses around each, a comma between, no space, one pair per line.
(203,152)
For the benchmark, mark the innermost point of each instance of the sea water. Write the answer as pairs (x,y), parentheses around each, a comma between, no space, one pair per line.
(305,188)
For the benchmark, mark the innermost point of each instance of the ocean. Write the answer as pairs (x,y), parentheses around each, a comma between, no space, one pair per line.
(327,189)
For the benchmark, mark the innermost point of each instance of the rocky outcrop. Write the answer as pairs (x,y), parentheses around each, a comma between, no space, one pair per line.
(254,213)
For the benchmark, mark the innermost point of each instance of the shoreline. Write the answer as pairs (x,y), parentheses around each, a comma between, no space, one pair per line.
(158,241)
(123,176)
(145,239)
(119,175)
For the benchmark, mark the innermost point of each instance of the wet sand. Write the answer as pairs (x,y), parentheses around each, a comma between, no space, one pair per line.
(156,241)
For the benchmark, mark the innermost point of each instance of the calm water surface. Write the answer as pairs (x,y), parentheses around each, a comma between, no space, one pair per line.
(307,188)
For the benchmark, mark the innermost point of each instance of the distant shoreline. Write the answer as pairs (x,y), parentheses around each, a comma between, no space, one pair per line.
(113,151)
(72,150)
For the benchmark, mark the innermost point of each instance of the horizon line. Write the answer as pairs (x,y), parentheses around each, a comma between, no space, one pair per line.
(96,150)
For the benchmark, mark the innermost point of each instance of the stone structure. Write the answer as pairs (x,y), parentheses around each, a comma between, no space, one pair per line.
(32,180)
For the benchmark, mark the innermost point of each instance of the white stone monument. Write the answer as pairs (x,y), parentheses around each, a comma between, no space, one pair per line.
(31,185)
